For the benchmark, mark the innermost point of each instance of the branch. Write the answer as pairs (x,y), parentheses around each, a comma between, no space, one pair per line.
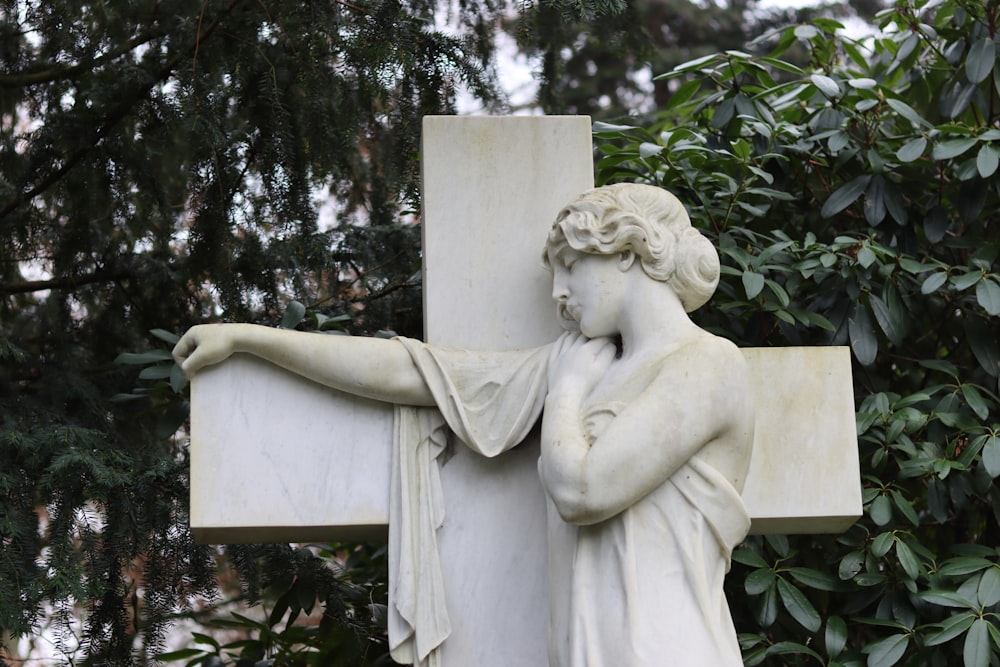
(113,118)
(67,282)
(48,75)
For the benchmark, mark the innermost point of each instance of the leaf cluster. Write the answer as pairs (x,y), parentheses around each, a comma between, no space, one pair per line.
(854,201)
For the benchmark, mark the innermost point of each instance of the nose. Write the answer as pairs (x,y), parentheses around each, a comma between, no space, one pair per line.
(560,291)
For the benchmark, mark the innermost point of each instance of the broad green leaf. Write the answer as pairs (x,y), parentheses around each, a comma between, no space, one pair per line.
(895,204)
(158,372)
(987,160)
(989,587)
(957,98)
(933,282)
(166,336)
(950,628)
(177,379)
(864,343)
(294,313)
(966,280)
(888,321)
(952,148)
(905,508)
(865,256)
(907,112)
(200,638)
(912,149)
(814,578)
(779,543)
(948,599)
(836,636)
(988,296)
(975,401)
(826,85)
(799,606)
(976,651)
(913,266)
(748,557)
(907,559)
(851,565)
(600,127)
(754,657)
(887,652)
(883,541)
(805,32)
(936,224)
(792,648)
(767,607)
(980,61)
(753,283)
(126,398)
(778,292)
(647,149)
(759,581)
(838,141)
(862,83)
(683,94)
(723,114)
(991,456)
(845,195)
(881,513)
(982,338)
(137,358)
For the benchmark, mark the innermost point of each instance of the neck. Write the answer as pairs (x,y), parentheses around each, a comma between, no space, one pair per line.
(654,319)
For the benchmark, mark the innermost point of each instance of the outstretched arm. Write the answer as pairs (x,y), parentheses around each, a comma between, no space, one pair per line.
(369,367)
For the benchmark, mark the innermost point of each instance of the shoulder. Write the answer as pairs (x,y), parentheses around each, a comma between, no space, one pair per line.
(708,371)
(709,356)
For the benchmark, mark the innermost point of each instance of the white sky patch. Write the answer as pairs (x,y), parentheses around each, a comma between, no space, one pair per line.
(516,72)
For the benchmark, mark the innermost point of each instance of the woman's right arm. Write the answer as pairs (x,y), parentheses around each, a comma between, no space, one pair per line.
(370,367)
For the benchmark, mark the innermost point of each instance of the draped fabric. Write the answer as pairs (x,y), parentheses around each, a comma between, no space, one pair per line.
(490,400)
(643,588)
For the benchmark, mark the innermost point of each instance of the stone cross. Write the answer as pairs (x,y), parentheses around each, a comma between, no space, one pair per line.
(275,457)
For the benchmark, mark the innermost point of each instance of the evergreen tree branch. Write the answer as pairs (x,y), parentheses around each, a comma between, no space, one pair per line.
(116,115)
(30,78)
(67,282)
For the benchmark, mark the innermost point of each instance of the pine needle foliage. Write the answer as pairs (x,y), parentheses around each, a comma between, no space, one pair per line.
(163,163)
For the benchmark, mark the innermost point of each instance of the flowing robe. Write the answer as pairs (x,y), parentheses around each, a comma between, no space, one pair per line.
(640,589)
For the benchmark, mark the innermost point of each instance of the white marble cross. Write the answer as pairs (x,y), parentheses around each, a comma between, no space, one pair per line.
(275,457)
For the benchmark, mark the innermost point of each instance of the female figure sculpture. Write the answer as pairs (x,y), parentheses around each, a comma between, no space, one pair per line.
(646,432)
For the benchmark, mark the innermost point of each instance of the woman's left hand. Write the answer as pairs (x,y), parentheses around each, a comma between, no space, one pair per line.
(578,363)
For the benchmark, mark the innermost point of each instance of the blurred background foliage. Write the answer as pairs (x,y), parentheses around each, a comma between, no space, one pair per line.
(165,163)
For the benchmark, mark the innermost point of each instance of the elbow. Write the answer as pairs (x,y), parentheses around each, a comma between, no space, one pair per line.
(575,506)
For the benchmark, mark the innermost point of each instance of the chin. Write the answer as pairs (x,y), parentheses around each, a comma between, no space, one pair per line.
(567,322)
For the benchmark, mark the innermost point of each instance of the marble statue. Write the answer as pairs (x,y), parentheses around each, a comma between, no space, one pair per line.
(647,425)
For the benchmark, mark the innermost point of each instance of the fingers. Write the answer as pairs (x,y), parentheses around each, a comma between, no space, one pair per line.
(183,348)
(194,350)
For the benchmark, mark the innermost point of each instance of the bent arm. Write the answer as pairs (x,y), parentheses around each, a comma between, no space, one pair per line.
(695,400)
(370,367)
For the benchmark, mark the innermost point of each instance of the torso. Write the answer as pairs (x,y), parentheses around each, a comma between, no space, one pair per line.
(729,453)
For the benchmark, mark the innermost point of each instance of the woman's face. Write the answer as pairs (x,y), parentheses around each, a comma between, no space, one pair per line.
(591,289)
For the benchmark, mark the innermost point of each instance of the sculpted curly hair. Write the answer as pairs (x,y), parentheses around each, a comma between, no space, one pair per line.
(651,223)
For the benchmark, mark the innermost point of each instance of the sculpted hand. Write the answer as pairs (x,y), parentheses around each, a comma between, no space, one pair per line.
(578,363)
(204,345)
